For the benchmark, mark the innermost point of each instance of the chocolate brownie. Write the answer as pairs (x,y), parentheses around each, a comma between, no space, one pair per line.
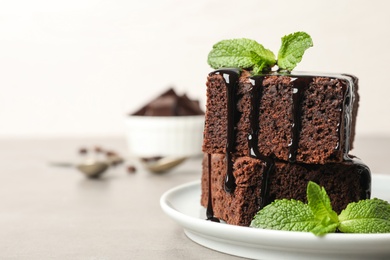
(344,182)
(267,136)
(295,117)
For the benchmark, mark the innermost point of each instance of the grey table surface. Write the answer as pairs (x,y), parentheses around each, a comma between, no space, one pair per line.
(56,213)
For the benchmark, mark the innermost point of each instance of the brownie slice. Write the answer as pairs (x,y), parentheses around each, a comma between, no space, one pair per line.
(344,182)
(324,116)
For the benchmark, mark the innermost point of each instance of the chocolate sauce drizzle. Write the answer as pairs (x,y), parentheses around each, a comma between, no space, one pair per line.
(300,83)
(364,171)
(253,137)
(231,77)
(349,99)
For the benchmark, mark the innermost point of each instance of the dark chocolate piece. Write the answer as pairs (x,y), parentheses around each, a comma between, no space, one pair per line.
(170,104)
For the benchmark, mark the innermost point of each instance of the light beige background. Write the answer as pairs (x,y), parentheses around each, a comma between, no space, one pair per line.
(77,67)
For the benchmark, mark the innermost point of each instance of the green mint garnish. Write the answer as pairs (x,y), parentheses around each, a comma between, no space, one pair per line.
(242,53)
(248,54)
(318,217)
(293,47)
(290,215)
(366,216)
(319,203)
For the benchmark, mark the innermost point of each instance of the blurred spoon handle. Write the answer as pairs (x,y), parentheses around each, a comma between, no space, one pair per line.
(62,164)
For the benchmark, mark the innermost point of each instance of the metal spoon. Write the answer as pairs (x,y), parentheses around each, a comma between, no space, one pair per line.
(94,169)
(162,164)
(91,168)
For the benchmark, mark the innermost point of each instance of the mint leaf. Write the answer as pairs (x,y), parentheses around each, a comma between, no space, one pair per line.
(318,217)
(248,54)
(242,53)
(366,216)
(290,215)
(325,226)
(319,203)
(293,47)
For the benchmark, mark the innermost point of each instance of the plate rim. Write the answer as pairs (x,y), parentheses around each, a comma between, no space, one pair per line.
(268,237)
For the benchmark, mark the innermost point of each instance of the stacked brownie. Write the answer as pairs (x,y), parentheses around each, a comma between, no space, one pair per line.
(267,136)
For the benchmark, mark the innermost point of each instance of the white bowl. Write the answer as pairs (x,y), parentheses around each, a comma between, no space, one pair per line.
(150,136)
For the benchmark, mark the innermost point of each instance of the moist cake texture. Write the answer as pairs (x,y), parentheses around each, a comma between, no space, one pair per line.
(344,182)
(267,136)
(324,124)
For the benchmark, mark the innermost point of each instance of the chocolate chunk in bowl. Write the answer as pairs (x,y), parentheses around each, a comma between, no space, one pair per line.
(170,125)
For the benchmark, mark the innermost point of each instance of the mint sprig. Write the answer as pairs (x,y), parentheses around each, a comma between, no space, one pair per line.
(293,47)
(249,54)
(318,217)
(242,53)
(319,203)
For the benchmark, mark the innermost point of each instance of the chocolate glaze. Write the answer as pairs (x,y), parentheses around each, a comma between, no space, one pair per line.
(365,177)
(300,82)
(299,87)
(231,77)
(256,94)
(349,98)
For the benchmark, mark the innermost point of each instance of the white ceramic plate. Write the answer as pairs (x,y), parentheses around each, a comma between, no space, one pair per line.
(182,204)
